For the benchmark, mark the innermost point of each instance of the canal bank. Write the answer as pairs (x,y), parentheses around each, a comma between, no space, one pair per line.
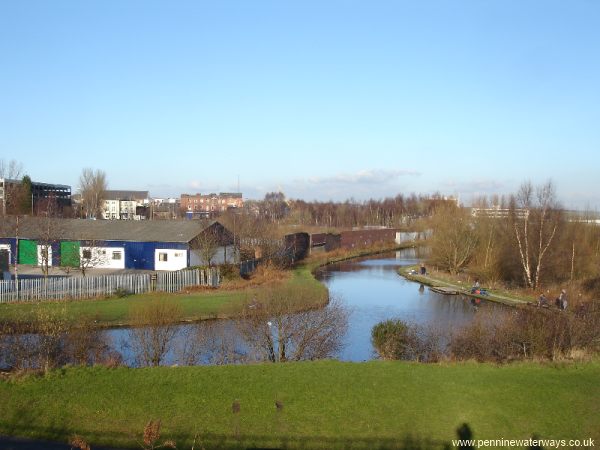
(432,281)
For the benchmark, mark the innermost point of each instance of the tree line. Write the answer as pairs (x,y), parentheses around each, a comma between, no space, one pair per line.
(394,212)
(523,240)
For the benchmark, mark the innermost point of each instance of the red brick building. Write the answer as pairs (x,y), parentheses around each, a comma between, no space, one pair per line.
(210,204)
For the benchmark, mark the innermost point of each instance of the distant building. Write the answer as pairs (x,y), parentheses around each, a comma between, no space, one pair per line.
(163,209)
(61,193)
(495,212)
(122,205)
(200,206)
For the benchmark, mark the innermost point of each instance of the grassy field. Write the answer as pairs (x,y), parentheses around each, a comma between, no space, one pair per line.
(206,304)
(325,404)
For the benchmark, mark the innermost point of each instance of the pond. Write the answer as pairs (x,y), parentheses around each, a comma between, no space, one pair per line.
(371,289)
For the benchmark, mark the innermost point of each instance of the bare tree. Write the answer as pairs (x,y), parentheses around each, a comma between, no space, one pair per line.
(50,231)
(206,245)
(92,187)
(274,206)
(454,238)
(535,217)
(154,329)
(92,255)
(9,171)
(274,327)
(210,341)
(208,242)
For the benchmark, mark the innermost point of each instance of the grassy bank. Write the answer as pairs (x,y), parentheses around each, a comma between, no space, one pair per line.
(437,279)
(324,404)
(195,306)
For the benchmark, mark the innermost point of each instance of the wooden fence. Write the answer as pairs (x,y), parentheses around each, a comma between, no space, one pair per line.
(249,266)
(76,288)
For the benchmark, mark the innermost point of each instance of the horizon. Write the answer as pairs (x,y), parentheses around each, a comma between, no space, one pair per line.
(319,101)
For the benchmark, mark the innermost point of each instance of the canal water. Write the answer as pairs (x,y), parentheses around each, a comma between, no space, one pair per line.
(371,289)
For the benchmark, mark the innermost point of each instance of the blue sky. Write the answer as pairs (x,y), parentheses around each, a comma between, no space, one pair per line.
(322,99)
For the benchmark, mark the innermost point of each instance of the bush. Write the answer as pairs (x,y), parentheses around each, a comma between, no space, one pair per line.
(121,292)
(526,334)
(229,272)
(395,339)
(390,338)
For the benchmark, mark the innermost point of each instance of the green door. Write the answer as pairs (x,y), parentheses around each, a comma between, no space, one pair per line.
(28,252)
(69,254)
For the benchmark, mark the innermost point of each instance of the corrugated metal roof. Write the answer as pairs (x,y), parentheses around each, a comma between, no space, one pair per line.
(104,230)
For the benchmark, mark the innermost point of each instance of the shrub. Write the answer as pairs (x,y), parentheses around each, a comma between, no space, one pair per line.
(526,334)
(391,339)
(229,272)
(395,339)
(121,292)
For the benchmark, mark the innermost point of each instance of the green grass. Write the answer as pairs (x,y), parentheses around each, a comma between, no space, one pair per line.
(326,404)
(209,304)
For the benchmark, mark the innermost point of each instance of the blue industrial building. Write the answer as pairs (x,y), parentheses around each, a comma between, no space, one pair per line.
(145,245)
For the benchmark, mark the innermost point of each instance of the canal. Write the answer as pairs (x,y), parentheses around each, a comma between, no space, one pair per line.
(373,291)
(369,287)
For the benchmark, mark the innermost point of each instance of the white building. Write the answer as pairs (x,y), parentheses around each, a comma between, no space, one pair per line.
(122,205)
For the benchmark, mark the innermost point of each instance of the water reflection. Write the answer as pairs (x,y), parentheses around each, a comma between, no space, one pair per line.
(374,291)
(371,288)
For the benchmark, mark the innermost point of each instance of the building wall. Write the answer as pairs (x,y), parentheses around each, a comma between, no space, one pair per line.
(224,254)
(40,250)
(297,245)
(170,259)
(121,209)
(103,257)
(325,241)
(210,203)
(110,209)
(364,238)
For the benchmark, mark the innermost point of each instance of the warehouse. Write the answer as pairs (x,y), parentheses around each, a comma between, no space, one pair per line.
(147,245)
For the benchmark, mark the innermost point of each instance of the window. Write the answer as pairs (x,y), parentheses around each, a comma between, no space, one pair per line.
(162,256)
(87,254)
(116,256)
(178,255)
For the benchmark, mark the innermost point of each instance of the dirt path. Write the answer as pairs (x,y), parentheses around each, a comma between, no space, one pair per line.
(429,280)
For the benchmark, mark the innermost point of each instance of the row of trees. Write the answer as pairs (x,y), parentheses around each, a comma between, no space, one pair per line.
(395,211)
(528,243)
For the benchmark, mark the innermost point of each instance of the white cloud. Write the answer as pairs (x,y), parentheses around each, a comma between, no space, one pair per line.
(363,184)
(372,176)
